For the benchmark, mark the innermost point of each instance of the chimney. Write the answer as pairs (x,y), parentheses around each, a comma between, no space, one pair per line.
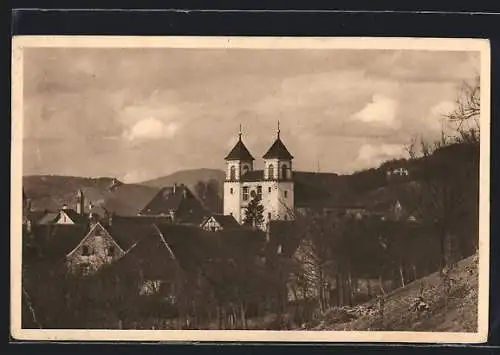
(80,202)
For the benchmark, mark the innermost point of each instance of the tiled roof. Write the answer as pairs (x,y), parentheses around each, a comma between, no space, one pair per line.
(310,187)
(154,253)
(226,221)
(253,175)
(278,151)
(181,200)
(48,218)
(75,216)
(127,231)
(239,152)
(283,233)
(55,241)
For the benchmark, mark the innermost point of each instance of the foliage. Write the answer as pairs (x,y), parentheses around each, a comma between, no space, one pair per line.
(208,192)
(254,213)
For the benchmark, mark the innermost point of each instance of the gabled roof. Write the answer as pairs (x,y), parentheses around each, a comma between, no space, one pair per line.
(225,221)
(278,151)
(178,199)
(55,241)
(126,231)
(154,253)
(74,216)
(239,152)
(48,218)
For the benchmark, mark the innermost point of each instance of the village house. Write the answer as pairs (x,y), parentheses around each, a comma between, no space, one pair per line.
(218,222)
(177,203)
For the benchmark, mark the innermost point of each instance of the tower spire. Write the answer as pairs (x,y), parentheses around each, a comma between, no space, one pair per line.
(239,133)
(278,132)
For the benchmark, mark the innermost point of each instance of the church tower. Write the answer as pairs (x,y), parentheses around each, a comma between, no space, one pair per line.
(278,175)
(80,202)
(239,162)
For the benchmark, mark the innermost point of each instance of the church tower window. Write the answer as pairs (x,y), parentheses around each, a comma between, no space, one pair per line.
(259,192)
(271,171)
(285,193)
(232,174)
(283,171)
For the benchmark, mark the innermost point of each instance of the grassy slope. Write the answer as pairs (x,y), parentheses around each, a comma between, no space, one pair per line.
(459,315)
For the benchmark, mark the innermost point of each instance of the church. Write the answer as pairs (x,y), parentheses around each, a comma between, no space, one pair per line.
(273,185)
(280,189)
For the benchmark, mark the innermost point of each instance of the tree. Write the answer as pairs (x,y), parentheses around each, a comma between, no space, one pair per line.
(208,193)
(254,213)
(466,115)
(448,174)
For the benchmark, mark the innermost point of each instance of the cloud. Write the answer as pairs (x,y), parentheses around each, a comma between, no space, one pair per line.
(373,155)
(151,128)
(136,176)
(381,111)
(434,120)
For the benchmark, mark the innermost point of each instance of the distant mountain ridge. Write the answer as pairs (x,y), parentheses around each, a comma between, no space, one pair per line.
(51,192)
(187,177)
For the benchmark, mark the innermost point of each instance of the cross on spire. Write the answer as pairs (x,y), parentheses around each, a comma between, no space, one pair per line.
(278,132)
(239,133)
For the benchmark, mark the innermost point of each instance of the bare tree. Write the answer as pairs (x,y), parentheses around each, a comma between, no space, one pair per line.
(466,114)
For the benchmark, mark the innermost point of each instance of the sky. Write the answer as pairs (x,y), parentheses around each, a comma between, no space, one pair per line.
(137,114)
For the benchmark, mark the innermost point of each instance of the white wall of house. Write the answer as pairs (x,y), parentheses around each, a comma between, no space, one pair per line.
(64,219)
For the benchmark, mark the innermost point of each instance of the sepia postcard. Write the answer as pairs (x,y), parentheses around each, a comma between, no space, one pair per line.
(250,189)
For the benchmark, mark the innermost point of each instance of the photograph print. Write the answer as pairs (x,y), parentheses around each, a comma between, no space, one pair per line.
(250,189)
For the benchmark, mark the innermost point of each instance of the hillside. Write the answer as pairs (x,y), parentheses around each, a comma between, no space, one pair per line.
(458,315)
(187,177)
(52,191)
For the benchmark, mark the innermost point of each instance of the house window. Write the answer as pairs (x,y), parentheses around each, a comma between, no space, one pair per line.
(283,171)
(85,250)
(269,189)
(271,171)
(231,190)
(111,250)
(259,192)
(286,218)
(285,193)
(269,216)
(232,173)
(245,193)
